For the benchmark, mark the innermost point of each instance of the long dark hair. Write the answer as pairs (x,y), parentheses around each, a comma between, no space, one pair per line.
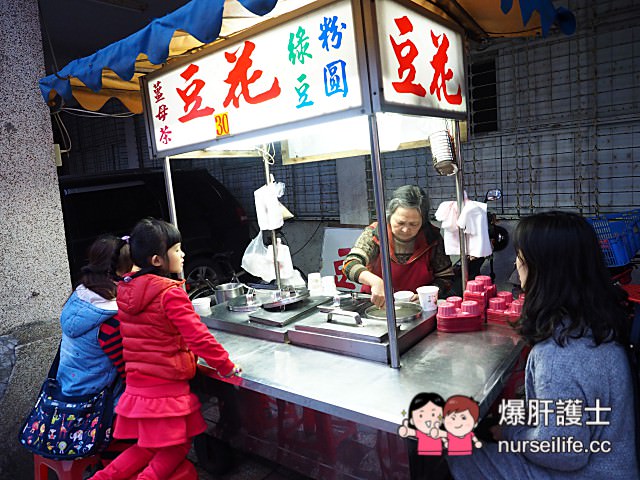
(150,237)
(107,255)
(420,400)
(568,288)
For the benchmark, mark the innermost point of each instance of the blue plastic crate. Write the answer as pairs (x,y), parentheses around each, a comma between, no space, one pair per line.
(631,230)
(614,240)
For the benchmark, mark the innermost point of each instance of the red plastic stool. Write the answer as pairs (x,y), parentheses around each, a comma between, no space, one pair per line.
(64,469)
(115,448)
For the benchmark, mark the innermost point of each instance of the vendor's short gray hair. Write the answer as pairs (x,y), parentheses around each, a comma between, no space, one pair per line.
(409,196)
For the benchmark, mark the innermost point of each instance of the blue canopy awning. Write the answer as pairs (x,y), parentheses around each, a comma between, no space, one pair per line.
(202,19)
(109,72)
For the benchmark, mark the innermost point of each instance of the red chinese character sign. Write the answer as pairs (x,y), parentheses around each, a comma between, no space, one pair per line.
(303,68)
(336,245)
(422,60)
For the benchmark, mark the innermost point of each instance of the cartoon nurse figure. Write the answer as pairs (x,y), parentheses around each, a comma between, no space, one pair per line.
(425,418)
(460,418)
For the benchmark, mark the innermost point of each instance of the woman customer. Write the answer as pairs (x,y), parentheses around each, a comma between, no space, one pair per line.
(416,249)
(578,381)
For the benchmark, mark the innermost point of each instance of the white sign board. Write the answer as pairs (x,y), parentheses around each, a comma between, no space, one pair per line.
(336,245)
(303,68)
(422,61)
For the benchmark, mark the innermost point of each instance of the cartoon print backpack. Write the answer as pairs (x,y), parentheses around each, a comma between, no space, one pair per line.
(65,427)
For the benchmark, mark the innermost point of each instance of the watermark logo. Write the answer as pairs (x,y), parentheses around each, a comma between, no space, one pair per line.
(437,424)
(553,413)
(535,412)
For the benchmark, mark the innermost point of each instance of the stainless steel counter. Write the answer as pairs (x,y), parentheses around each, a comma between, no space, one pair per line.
(370,393)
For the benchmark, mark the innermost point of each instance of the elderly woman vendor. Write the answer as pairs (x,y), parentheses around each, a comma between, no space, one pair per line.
(416,249)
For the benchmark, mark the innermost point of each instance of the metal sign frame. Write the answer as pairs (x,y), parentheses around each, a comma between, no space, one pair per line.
(374,60)
(363,76)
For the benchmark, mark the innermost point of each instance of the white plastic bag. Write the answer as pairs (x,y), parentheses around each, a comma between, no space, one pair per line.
(284,261)
(268,207)
(258,260)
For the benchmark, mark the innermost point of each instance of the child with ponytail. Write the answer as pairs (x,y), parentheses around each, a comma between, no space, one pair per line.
(162,335)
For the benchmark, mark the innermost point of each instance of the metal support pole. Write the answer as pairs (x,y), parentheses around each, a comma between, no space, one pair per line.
(464,265)
(378,192)
(274,242)
(168,184)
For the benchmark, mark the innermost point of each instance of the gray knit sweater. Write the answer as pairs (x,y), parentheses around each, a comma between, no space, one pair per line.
(577,371)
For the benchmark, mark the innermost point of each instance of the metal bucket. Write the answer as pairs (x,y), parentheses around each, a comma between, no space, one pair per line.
(227,291)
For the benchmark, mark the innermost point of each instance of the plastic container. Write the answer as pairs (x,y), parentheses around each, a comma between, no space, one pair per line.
(468,318)
(314,284)
(456,301)
(446,309)
(500,313)
(428,297)
(328,285)
(488,285)
(515,310)
(470,307)
(403,296)
(202,305)
(496,311)
(475,291)
(507,296)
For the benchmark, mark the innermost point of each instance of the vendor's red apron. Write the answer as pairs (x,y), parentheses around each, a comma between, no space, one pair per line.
(411,275)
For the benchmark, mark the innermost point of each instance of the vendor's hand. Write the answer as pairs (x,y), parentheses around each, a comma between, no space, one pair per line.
(377,293)
(414,298)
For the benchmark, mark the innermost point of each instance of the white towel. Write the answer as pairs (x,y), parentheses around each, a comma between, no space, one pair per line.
(447,214)
(473,219)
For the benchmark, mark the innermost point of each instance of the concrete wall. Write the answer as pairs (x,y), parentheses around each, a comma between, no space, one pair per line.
(33,264)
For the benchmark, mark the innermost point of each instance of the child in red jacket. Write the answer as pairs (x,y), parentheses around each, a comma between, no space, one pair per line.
(161,334)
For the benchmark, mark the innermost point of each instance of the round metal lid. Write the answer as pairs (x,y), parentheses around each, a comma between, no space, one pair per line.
(286,300)
(405,312)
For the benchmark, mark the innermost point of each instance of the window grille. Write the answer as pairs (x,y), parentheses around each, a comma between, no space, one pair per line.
(483,97)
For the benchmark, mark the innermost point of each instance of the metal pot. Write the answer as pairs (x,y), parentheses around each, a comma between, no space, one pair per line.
(227,291)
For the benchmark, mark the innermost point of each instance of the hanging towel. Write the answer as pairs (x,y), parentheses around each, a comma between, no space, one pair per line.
(447,214)
(473,219)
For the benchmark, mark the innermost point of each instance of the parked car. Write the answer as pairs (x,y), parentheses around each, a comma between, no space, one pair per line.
(214,227)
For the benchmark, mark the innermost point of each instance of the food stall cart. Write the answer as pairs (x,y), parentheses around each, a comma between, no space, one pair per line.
(306,72)
(317,394)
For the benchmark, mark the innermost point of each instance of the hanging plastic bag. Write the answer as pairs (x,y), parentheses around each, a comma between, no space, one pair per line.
(258,260)
(284,261)
(268,207)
